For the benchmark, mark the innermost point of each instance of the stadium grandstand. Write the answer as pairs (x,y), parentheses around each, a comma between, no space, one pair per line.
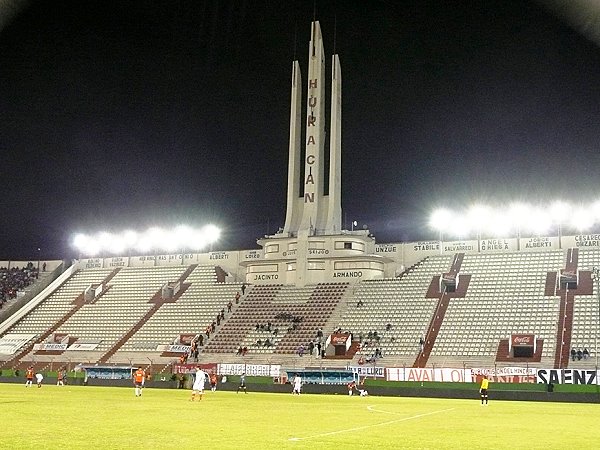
(505,293)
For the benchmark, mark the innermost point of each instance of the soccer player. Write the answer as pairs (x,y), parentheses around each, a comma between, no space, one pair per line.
(61,377)
(297,384)
(198,387)
(483,390)
(213,381)
(242,383)
(29,376)
(139,378)
(39,377)
(351,387)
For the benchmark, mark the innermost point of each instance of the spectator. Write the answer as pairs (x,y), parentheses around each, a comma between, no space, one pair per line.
(579,354)
(229,305)
(243,288)
(237,298)
(586,354)
(573,354)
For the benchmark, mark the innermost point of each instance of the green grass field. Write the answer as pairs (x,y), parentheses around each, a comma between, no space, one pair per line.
(74,417)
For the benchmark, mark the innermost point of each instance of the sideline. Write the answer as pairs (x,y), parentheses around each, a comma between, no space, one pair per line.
(364,427)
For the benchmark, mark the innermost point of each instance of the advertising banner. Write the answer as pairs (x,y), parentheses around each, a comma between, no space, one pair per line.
(417,374)
(367,371)
(567,376)
(253,370)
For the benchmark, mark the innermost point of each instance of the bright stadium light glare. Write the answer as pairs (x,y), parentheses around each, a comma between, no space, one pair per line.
(104,240)
(596,211)
(197,241)
(212,233)
(460,227)
(538,221)
(582,219)
(152,240)
(479,217)
(117,245)
(440,219)
(92,248)
(80,241)
(155,236)
(499,225)
(517,213)
(183,236)
(559,212)
(130,238)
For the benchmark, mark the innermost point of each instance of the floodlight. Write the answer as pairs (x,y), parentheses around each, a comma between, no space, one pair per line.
(104,240)
(183,235)
(559,212)
(117,245)
(130,238)
(197,240)
(479,217)
(518,213)
(440,219)
(582,219)
(459,227)
(538,221)
(499,225)
(80,241)
(212,233)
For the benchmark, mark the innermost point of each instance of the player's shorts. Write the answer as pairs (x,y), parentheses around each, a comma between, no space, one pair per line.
(242,385)
(484,392)
(213,384)
(138,384)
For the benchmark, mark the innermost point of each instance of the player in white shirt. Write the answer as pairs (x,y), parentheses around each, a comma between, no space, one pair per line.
(297,384)
(198,387)
(39,377)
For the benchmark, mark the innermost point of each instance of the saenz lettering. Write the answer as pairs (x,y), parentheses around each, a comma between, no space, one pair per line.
(566,376)
(273,276)
(355,274)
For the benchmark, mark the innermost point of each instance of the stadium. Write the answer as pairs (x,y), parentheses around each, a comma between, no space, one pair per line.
(494,293)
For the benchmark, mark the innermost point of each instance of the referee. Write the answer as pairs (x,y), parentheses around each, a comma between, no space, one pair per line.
(484,390)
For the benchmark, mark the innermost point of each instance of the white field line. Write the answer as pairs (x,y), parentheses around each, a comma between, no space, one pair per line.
(364,427)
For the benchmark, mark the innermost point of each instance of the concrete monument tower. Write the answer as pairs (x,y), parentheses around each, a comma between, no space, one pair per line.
(312,247)
(311,212)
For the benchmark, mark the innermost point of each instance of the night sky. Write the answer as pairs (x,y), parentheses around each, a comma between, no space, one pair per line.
(127,114)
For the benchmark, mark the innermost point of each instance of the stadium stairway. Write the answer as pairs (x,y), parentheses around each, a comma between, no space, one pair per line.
(567,304)
(442,306)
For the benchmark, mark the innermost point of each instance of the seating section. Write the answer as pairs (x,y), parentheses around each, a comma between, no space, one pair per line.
(399,302)
(506,295)
(294,313)
(59,303)
(191,313)
(11,343)
(121,307)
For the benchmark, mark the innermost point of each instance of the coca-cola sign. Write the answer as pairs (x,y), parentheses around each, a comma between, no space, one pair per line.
(523,340)
(339,339)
